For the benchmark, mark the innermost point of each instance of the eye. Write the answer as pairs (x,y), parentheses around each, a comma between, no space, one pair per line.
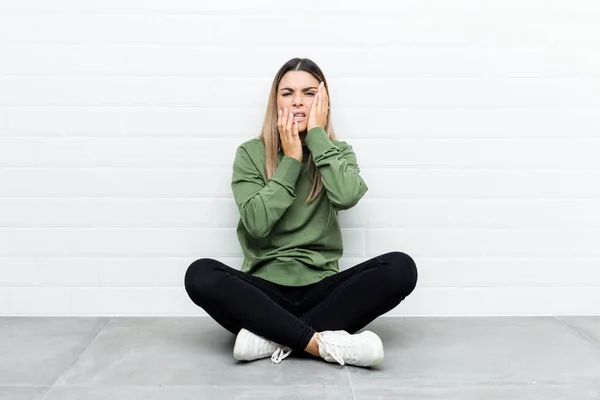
(286,94)
(310,94)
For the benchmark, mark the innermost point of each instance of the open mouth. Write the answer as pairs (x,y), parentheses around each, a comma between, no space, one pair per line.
(299,117)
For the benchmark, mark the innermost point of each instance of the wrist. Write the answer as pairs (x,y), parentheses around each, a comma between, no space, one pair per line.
(297,157)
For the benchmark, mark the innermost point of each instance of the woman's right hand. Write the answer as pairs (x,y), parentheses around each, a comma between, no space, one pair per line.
(288,134)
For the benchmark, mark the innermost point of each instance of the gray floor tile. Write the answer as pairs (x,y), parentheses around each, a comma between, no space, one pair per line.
(184,351)
(512,392)
(191,358)
(22,393)
(589,327)
(470,351)
(36,351)
(203,393)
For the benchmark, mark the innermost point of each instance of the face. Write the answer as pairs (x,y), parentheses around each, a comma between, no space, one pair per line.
(297,91)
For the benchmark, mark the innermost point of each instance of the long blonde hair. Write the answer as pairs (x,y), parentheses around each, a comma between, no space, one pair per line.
(270,133)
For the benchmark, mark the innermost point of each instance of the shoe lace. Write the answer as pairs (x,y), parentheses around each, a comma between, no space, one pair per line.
(280,353)
(338,348)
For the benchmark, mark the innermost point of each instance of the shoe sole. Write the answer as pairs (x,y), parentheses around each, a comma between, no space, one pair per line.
(376,343)
(238,348)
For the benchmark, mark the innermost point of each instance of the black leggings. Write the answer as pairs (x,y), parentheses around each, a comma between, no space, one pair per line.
(290,315)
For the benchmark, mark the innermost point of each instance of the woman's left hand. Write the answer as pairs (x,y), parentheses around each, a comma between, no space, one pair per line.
(319,109)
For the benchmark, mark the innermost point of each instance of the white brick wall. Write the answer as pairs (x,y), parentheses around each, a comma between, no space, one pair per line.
(476,125)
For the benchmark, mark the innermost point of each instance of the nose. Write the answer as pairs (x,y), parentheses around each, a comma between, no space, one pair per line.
(297,100)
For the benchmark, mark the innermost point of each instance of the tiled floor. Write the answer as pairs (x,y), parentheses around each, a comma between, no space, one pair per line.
(191,358)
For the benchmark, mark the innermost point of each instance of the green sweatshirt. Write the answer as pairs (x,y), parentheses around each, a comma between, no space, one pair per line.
(284,239)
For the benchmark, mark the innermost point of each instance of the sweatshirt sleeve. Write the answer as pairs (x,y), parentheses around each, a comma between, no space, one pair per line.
(261,205)
(338,168)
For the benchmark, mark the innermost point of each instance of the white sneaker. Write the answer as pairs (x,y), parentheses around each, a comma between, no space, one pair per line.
(363,349)
(249,347)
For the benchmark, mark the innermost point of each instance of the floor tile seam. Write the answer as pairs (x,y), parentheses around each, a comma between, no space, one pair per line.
(467,384)
(580,334)
(555,385)
(351,386)
(75,360)
(169,386)
(434,383)
(22,385)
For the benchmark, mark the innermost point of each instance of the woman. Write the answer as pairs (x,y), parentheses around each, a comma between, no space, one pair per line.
(289,185)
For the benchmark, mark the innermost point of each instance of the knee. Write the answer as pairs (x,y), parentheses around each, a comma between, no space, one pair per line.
(198,277)
(403,274)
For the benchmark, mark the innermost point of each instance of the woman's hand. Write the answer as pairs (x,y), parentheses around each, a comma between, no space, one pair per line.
(319,109)
(288,133)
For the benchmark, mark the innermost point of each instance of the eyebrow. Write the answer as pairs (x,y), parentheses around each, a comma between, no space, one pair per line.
(305,89)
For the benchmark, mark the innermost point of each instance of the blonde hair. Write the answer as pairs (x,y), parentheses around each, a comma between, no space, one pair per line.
(270,133)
